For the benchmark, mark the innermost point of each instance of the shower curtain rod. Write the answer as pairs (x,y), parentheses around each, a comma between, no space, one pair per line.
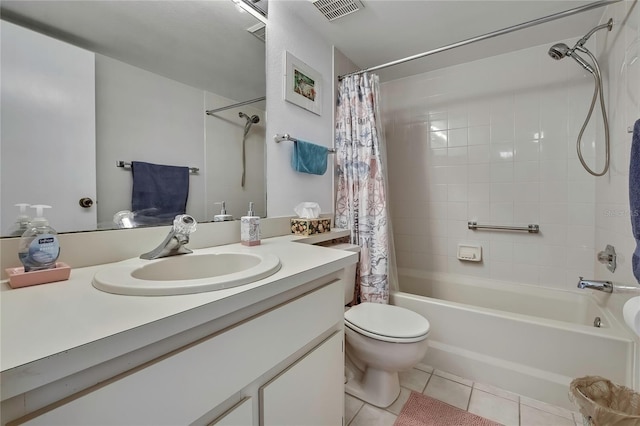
(251,101)
(486,36)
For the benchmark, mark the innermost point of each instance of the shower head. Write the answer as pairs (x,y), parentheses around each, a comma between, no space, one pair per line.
(253,119)
(559,51)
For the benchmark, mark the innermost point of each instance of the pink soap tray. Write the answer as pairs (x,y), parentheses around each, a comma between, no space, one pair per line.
(19,278)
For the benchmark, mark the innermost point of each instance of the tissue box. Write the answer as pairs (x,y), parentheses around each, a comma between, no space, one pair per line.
(310,226)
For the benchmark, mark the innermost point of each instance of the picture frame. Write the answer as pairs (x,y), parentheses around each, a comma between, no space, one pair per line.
(303,84)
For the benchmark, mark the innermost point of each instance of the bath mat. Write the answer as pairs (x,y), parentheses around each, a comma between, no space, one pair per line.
(421,410)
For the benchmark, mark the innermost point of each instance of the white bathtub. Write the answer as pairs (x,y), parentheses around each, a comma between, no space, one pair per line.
(527,339)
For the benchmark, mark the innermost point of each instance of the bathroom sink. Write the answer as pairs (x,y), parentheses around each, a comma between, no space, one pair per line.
(184,274)
(631,314)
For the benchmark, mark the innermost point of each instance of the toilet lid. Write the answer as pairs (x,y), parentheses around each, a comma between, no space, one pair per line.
(387,322)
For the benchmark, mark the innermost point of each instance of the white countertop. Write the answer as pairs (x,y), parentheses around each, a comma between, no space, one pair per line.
(50,331)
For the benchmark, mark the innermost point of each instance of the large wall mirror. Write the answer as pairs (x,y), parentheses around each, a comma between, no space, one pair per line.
(88,86)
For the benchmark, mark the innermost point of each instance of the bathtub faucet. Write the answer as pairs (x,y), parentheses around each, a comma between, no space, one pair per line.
(606,286)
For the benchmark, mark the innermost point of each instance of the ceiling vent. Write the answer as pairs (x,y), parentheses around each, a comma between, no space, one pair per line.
(334,9)
(259,30)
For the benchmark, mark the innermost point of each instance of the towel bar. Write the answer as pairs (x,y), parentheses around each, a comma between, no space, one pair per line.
(532,229)
(127,165)
(286,137)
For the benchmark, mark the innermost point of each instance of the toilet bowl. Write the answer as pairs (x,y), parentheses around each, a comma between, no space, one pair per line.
(381,340)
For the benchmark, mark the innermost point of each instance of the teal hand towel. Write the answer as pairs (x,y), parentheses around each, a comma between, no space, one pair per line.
(309,158)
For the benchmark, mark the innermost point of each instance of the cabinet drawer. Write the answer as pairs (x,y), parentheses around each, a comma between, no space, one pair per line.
(184,385)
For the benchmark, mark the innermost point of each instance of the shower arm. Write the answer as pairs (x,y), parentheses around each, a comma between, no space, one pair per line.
(584,39)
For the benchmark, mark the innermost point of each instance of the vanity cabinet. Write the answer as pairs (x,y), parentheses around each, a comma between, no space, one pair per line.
(281,366)
(306,394)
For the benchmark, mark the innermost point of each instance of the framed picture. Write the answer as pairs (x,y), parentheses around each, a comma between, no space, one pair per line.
(303,84)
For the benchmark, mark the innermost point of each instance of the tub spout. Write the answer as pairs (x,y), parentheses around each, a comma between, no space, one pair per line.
(606,286)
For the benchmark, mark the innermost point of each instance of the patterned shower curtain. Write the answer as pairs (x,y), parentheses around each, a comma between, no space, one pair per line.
(361,200)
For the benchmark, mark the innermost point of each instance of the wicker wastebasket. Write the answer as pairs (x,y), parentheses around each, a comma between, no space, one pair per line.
(603,403)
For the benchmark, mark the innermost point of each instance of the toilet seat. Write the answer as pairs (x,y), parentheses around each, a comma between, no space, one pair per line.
(387,323)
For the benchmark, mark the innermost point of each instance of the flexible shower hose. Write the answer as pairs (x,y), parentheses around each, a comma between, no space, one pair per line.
(597,90)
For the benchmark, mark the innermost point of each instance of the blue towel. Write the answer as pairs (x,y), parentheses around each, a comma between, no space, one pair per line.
(159,192)
(634,197)
(309,158)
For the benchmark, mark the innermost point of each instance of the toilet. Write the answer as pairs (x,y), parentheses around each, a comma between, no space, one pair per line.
(381,340)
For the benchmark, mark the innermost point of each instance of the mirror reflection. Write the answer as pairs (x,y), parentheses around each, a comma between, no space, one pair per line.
(103,112)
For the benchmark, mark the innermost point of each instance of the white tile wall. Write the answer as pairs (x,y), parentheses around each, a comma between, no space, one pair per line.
(622,67)
(494,141)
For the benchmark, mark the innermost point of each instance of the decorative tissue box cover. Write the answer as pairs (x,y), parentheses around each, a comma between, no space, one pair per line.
(310,226)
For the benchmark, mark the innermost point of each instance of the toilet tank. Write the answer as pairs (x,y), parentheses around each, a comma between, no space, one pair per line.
(349,273)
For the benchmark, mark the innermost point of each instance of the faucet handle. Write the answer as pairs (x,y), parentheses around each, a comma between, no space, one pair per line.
(184,224)
(608,257)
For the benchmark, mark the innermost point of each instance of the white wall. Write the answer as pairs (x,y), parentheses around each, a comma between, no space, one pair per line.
(493,141)
(143,116)
(223,154)
(620,53)
(285,187)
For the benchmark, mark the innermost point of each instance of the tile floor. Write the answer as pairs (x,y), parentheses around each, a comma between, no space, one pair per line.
(487,401)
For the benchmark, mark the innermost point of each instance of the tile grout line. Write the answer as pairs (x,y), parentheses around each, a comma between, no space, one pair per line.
(470,393)
(357,412)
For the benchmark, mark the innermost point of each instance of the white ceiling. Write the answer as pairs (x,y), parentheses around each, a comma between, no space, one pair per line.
(205,43)
(387,30)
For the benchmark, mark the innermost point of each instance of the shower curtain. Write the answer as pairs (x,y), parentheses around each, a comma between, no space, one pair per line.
(361,195)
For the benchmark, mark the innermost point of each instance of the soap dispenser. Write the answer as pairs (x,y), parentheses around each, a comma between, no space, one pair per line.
(250,228)
(39,248)
(22,221)
(223,216)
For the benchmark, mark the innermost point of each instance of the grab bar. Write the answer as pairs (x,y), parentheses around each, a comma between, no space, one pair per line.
(286,137)
(532,229)
(127,165)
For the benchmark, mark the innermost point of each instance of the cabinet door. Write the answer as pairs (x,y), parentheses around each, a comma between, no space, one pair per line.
(240,415)
(309,393)
(48,150)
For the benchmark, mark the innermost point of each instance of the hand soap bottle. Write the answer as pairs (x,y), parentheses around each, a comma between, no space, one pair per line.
(250,228)
(23,221)
(39,248)
(223,216)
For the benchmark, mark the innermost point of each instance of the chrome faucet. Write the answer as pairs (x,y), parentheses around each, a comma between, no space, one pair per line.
(606,286)
(174,244)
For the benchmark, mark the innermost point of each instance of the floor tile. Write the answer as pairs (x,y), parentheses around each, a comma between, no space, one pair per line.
(414,379)
(397,405)
(453,377)
(424,367)
(497,391)
(448,391)
(373,416)
(543,406)
(494,408)
(530,416)
(351,407)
